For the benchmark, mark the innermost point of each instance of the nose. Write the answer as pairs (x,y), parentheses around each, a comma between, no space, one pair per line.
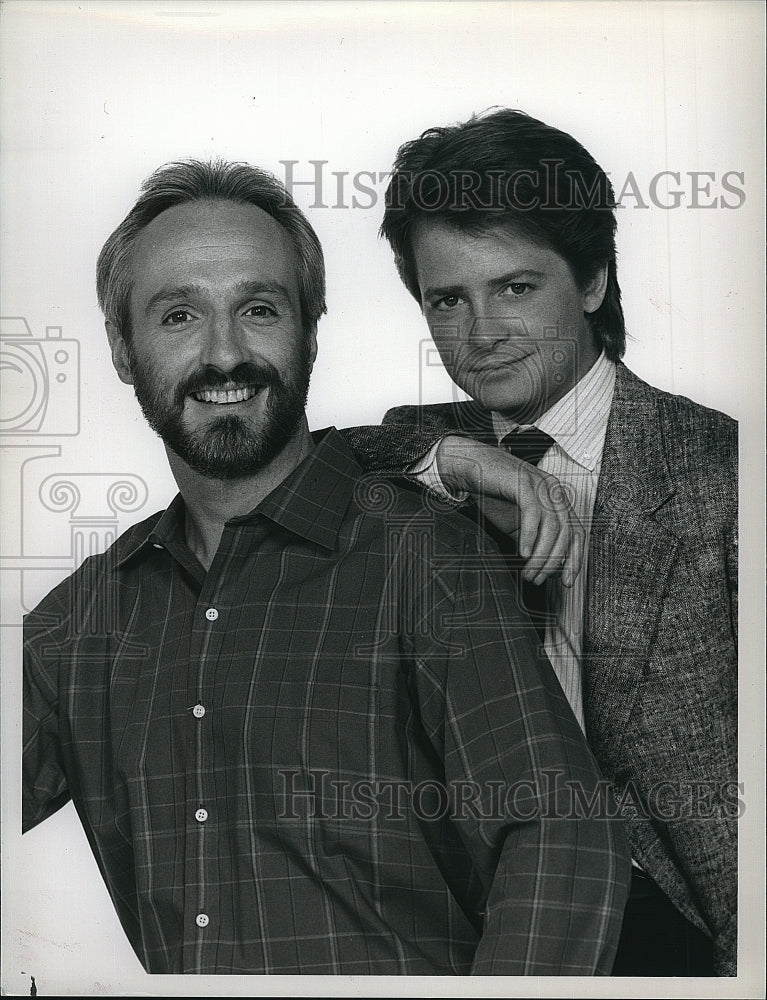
(224,345)
(490,329)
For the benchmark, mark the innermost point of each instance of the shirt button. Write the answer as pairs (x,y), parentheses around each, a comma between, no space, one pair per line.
(211,614)
(198,711)
(201,815)
(202,919)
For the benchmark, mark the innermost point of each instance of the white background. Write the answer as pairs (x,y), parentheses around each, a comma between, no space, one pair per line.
(97,95)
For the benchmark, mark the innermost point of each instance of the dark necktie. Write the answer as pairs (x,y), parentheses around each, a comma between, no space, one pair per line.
(531,445)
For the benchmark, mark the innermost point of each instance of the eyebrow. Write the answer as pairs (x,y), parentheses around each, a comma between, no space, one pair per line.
(494,283)
(245,289)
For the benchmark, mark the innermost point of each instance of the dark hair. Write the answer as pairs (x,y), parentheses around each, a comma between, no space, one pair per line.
(196,180)
(505,168)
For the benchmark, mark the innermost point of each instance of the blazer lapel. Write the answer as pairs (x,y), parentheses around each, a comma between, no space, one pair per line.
(631,553)
(630,556)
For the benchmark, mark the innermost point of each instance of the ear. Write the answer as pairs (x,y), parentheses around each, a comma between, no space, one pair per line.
(120,354)
(594,292)
(312,342)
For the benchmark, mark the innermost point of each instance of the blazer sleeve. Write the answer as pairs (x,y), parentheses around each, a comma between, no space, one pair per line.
(405,435)
(731,556)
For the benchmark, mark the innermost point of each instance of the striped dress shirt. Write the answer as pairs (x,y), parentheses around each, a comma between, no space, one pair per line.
(334,752)
(578,424)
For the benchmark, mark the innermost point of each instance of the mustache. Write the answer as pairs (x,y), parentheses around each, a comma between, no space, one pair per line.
(211,377)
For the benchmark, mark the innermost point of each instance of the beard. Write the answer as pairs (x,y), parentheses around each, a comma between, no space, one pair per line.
(228,447)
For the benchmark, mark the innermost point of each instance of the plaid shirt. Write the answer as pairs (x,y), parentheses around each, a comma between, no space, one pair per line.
(333,753)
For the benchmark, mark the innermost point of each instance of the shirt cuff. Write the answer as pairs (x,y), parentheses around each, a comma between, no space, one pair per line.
(424,471)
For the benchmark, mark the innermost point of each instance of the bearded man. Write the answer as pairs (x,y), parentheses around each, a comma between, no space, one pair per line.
(303,719)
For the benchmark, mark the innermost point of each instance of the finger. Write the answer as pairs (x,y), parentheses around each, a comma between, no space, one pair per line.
(552,562)
(575,555)
(538,565)
(561,548)
(552,521)
(530,527)
(548,556)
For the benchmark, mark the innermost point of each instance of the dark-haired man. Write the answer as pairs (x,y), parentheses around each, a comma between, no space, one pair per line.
(503,230)
(303,722)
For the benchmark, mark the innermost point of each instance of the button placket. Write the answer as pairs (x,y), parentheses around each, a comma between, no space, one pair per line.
(208,639)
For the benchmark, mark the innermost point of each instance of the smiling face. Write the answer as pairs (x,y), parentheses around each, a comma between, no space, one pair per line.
(509,321)
(218,356)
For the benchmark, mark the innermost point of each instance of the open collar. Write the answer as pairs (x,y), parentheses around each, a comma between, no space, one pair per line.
(311,502)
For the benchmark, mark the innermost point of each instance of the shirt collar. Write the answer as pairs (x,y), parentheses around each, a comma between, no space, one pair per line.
(311,502)
(155,531)
(577,421)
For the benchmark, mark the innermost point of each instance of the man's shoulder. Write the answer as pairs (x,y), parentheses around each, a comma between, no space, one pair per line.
(408,432)
(631,387)
(464,416)
(93,570)
(688,428)
(408,413)
(672,439)
(401,508)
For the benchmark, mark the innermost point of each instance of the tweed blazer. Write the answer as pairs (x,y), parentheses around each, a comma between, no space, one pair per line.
(660,630)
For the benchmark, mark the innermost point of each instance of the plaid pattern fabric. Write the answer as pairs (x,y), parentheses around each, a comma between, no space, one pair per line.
(333,753)
(577,423)
(660,629)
